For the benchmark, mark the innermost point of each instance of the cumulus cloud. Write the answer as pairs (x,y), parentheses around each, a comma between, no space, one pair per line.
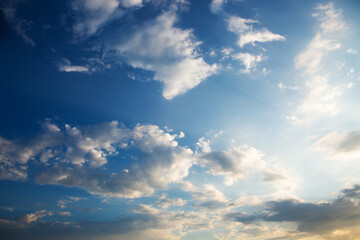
(145,209)
(248,60)
(168,51)
(232,164)
(77,157)
(206,196)
(164,202)
(155,45)
(341,145)
(247,34)
(321,96)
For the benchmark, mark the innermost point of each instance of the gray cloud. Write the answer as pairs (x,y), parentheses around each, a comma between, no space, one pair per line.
(163,225)
(315,218)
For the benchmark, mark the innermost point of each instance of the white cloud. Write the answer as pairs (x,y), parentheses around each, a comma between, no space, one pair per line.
(344,145)
(33,217)
(243,201)
(145,209)
(322,96)
(350,50)
(248,60)
(206,196)
(66,66)
(94,14)
(79,155)
(216,5)
(247,34)
(204,145)
(226,51)
(240,162)
(232,164)
(168,202)
(168,51)
(283,86)
(69,68)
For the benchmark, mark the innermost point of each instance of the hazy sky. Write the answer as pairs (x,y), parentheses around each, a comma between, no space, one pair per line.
(179,119)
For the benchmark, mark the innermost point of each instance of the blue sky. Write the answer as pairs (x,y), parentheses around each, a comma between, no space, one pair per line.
(179,119)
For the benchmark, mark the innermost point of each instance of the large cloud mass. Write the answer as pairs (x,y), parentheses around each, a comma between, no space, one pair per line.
(74,156)
(168,51)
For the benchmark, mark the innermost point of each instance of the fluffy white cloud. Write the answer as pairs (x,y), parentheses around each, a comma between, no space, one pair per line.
(206,196)
(168,51)
(247,34)
(234,163)
(322,96)
(76,157)
(165,202)
(248,60)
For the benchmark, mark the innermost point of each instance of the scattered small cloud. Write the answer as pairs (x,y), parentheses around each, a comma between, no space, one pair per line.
(248,60)
(247,34)
(217,5)
(352,51)
(283,86)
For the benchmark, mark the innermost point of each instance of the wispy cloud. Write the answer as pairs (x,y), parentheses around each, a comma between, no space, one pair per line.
(321,97)
(91,15)
(70,68)
(20,26)
(247,34)
(217,5)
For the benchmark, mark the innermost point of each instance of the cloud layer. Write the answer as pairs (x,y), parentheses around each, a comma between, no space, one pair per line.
(327,219)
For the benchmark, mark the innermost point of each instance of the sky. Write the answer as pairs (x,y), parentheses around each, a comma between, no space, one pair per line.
(179,119)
